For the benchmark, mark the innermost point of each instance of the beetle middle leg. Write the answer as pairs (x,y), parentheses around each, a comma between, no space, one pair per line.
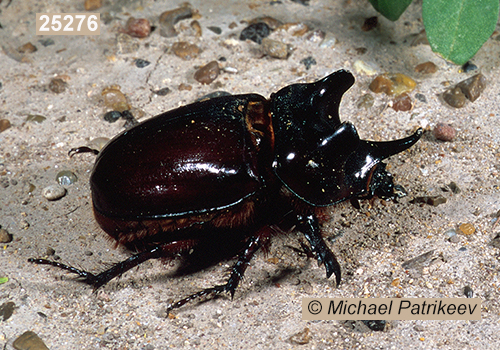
(252,246)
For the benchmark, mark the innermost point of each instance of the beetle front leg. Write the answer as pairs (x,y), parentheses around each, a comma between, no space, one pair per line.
(309,226)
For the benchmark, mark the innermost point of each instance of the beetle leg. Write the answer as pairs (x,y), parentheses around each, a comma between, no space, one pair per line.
(159,251)
(82,149)
(237,272)
(309,226)
(104,277)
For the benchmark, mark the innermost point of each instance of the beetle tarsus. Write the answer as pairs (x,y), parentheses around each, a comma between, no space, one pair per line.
(82,149)
(309,226)
(87,277)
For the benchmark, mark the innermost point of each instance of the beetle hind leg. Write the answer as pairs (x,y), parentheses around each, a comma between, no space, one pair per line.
(98,280)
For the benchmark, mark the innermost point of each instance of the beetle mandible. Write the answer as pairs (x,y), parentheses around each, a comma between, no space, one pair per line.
(230,169)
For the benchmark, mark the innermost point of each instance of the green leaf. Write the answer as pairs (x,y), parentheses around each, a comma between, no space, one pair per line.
(4,280)
(456,29)
(391,9)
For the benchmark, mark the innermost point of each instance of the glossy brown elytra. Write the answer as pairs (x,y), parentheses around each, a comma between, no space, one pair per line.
(232,169)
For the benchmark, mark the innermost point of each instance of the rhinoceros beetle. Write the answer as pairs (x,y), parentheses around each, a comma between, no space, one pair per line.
(235,169)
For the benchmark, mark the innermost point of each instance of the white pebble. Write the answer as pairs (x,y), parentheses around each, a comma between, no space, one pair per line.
(54,192)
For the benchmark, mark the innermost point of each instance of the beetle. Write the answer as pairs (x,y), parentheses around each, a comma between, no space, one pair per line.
(233,169)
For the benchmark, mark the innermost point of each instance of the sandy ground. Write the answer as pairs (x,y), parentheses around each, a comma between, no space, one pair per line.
(371,243)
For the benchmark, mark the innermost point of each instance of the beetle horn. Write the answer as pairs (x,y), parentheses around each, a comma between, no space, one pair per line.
(385,149)
(329,92)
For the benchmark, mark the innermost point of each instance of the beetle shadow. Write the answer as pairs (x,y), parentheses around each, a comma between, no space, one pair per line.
(209,251)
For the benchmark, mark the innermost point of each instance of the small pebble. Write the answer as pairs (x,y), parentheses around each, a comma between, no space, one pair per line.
(316,36)
(365,68)
(302,337)
(126,43)
(495,242)
(444,132)
(419,39)
(140,63)
(308,62)
(91,5)
(207,73)
(138,27)
(6,310)
(426,68)
(393,84)
(195,25)
(114,99)
(57,85)
(169,18)
(421,97)
(185,50)
(454,187)
(431,200)
(454,97)
(402,103)
(467,228)
(255,32)
(5,236)
(230,70)
(468,67)
(468,292)
(375,325)
(298,29)
(184,87)
(98,143)
(46,42)
(361,50)
(275,48)
(419,261)
(66,177)
(27,48)
(450,233)
(454,239)
(216,30)
(366,101)
(419,328)
(29,341)
(162,92)
(369,24)
(302,2)
(35,118)
(112,116)
(330,41)
(4,124)
(473,87)
(50,251)
(53,192)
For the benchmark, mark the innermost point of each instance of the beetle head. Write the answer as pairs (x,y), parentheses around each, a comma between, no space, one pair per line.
(318,158)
